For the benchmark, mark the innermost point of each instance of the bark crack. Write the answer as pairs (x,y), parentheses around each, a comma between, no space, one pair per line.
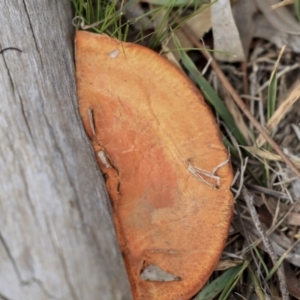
(41,285)
(65,270)
(26,190)
(2,297)
(28,198)
(16,269)
(33,35)
(25,119)
(20,98)
(11,258)
(62,260)
(8,72)
(75,192)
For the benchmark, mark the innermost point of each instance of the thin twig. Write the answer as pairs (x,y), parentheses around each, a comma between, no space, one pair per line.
(280,271)
(249,247)
(284,71)
(239,101)
(243,165)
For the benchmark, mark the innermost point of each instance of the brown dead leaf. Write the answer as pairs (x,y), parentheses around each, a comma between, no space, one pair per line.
(171,56)
(139,20)
(198,24)
(161,25)
(227,264)
(293,219)
(201,22)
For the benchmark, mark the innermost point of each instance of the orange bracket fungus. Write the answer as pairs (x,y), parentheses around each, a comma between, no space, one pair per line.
(167,171)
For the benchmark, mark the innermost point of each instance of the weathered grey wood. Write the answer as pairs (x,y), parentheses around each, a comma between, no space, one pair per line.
(56,235)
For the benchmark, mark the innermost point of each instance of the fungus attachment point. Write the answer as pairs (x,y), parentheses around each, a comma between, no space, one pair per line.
(148,121)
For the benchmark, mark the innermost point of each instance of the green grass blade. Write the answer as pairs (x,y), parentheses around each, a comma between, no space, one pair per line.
(229,146)
(176,3)
(232,283)
(102,15)
(261,260)
(276,266)
(259,293)
(272,90)
(211,290)
(272,94)
(297,9)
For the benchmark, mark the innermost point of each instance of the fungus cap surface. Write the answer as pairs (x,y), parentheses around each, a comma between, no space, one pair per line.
(166,168)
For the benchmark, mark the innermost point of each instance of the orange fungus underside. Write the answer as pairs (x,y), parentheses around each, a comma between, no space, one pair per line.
(167,171)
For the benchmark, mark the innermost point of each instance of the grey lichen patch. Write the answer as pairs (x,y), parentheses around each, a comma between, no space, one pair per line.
(114,53)
(155,273)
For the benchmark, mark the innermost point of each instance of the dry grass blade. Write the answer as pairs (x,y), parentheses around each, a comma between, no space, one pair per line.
(265,154)
(280,272)
(280,112)
(281,260)
(272,90)
(239,119)
(281,73)
(294,219)
(267,191)
(282,3)
(240,102)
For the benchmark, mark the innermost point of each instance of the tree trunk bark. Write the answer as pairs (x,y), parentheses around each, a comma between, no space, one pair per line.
(57,238)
